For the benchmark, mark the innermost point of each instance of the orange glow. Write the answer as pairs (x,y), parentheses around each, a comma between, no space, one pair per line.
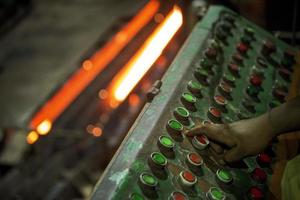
(44,127)
(97,131)
(32,137)
(134,100)
(141,62)
(159,17)
(92,67)
(103,94)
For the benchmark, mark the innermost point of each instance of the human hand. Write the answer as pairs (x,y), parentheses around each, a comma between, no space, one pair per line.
(238,139)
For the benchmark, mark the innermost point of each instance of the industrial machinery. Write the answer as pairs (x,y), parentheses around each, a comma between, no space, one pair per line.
(229,69)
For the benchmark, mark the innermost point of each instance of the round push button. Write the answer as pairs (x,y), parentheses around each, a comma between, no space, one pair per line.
(264,160)
(253,92)
(229,79)
(274,103)
(220,102)
(215,193)
(195,88)
(256,80)
(201,75)
(167,142)
(166,146)
(158,159)
(237,57)
(279,94)
(242,48)
(214,114)
(206,122)
(182,115)
(221,34)
(268,48)
(148,181)
(136,196)
(211,53)
(225,90)
(174,127)
(246,39)
(187,179)
(249,31)
(188,100)
(259,175)
(229,18)
(178,196)
(200,142)
(206,63)
(234,69)
(288,59)
(194,159)
(285,74)
(255,193)
(249,105)
(224,176)
(261,62)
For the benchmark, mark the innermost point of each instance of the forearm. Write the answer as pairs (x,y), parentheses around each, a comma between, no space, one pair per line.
(285,118)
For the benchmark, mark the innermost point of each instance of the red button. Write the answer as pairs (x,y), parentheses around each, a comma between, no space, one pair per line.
(279,93)
(264,159)
(188,176)
(225,87)
(220,99)
(241,47)
(259,175)
(256,193)
(205,122)
(178,196)
(234,68)
(215,112)
(256,79)
(211,53)
(237,57)
(195,159)
(202,139)
(268,47)
(285,73)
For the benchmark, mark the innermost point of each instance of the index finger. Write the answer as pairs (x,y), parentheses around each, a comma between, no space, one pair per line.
(214,132)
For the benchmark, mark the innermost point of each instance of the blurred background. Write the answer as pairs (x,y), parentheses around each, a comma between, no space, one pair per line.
(74,76)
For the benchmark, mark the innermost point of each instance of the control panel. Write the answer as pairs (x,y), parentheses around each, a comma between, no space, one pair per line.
(229,69)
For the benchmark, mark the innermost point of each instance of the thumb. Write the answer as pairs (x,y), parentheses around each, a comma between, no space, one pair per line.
(233,155)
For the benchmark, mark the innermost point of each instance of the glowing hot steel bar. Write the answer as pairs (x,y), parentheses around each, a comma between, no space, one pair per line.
(43,119)
(142,61)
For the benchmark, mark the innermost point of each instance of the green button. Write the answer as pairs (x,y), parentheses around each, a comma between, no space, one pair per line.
(182,112)
(230,77)
(176,125)
(275,103)
(148,179)
(249,30)
(224,175)
(189,97)
(136,196)
(253,91)
(287,62)
(194,85)
(166,141)
(215,194)
(206,63)
(246,39)
(201,72)
(215,44)
(158,159)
